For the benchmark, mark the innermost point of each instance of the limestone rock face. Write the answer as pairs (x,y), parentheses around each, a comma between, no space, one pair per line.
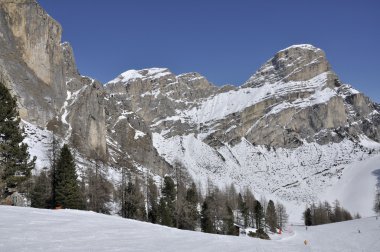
(37,37)
(295,63)
(137,100)
(31,59)
(294,98)
(42,74)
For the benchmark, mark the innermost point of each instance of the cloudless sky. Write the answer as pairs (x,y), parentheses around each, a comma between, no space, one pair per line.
(224,40)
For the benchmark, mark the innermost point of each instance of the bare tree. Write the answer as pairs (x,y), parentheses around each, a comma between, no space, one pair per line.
(99,189)
(282,216)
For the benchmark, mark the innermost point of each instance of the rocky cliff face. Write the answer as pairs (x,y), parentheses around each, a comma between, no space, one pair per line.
(290,100)
(292,117)
(41,73)
(31,59)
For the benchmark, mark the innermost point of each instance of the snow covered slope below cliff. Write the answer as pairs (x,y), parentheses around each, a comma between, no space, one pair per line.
(289,133)
(28,229)
(303,175)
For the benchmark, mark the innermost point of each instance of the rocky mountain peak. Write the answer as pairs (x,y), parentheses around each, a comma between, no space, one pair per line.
(143,74)
(295,63)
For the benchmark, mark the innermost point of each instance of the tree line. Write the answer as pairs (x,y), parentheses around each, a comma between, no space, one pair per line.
(324,213)
(183,206)
(60,187)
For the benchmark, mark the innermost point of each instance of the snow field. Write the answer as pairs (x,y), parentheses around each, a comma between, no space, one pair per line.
(28,229)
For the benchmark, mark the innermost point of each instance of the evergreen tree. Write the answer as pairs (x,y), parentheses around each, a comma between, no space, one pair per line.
(308,217)
(346,215)
(139,198)
(15,163)
(243,210)
(169,191)
(329,213)
(192,204)
(40,195)
(207,224)
(188,209)
(67,189)
(259,215)
(135,205)
(167,202)
(271,216)
(357,216)
(338,213)
(131,204)
(322,214)
(229,222)
(181,210)
(250,203)
(165,215)
(152,195)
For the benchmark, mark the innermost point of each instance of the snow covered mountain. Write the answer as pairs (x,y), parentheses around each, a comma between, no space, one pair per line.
(290,132)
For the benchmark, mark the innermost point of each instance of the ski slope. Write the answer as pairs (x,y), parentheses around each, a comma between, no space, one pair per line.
(28,229)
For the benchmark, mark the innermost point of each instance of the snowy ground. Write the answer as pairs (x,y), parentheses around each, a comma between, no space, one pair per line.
(27,229)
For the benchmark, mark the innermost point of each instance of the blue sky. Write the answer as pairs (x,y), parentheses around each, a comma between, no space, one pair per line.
(226,41)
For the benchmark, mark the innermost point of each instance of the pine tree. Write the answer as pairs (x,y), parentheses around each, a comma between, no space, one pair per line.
(207,224)
(308,217)
(164,214)
(346,215)
(67,189)
(15,163)
(357,216)
(271,216)
(40,195)
(250,203)
(139,201)
(259,215)
(329,212)
(131,206)
(167,203)
(243,210)
(191,206)
(229,222)
(338,213)
(187,216)
(152,195)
